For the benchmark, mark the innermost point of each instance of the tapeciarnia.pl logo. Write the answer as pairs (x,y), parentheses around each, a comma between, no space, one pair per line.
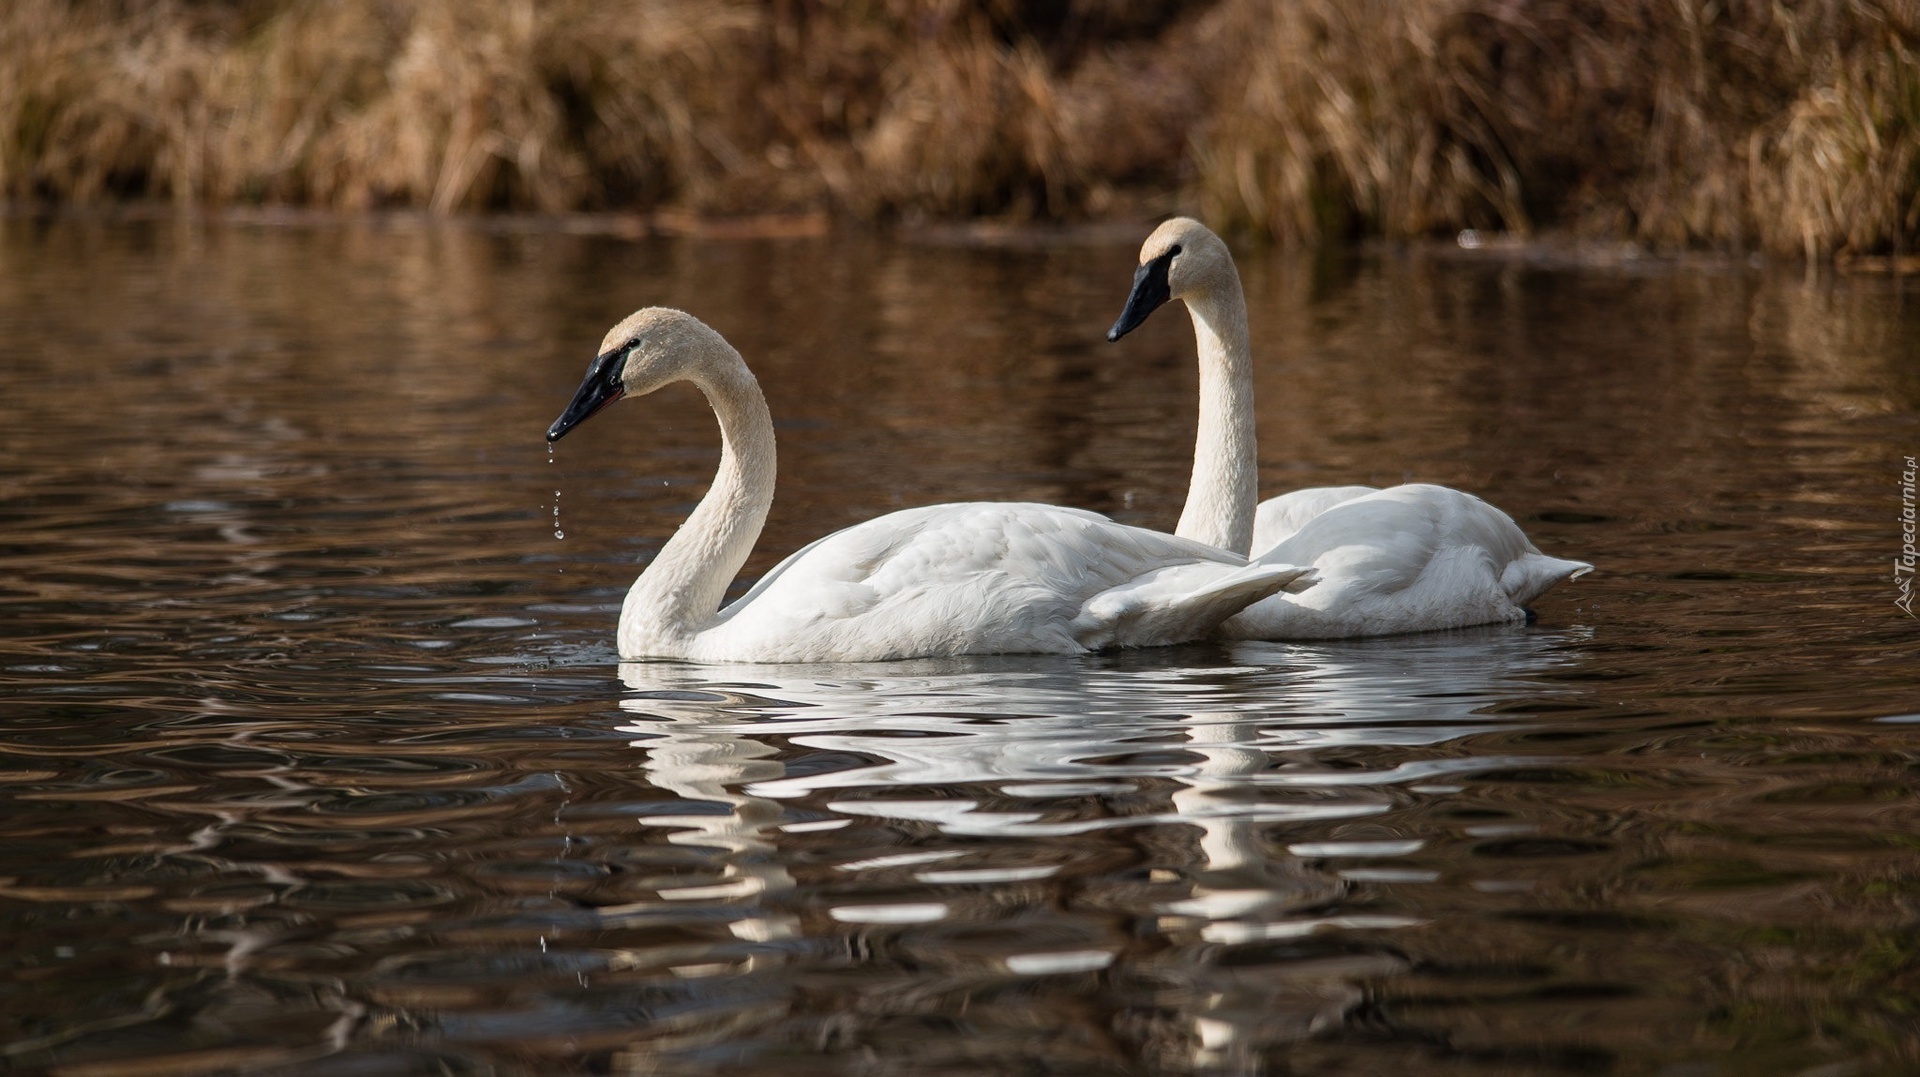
(1903,565)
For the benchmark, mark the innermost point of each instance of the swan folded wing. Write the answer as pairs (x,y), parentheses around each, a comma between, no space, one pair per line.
(1406,559)
(1383,541)
(1466,521)
(943,579)
(1067,551)
(1524,573)
(1371,546)
(1110,585)
(985,577)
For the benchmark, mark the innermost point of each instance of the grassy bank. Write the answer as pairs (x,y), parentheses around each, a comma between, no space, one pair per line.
(1740,124)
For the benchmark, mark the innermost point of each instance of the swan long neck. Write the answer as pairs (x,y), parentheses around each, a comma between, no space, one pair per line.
(1225,486)
(680,592)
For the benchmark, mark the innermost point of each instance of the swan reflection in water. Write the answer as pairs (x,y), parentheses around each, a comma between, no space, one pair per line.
(1012,758)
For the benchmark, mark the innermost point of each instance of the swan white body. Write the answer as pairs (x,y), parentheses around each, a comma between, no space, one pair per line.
(1411,558)
(974,578)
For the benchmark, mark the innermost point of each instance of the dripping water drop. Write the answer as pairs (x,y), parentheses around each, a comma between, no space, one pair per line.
(557,532)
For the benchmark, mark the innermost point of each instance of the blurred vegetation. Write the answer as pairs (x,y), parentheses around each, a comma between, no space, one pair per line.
(1739,124)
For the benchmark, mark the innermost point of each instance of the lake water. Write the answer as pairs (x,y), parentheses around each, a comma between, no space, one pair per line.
(316,757)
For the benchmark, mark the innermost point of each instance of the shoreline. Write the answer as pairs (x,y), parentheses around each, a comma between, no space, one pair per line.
(1548,250)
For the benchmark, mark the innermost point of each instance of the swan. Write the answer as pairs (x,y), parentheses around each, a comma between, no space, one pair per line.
(976,578)
(1410,558)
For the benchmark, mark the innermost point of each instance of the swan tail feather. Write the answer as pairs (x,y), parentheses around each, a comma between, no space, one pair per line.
(1527,578)
(1180,603)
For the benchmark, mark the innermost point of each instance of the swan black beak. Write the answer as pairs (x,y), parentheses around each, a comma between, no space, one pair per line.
(600,388)
(1149,292)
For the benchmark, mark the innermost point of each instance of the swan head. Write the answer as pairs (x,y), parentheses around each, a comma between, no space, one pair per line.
(1180,260)
(650,348)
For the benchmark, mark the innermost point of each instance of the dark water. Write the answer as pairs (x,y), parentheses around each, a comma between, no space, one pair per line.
(316,758)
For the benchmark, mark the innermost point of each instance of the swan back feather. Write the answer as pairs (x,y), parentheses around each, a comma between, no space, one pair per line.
(1410,558)
(1277,518)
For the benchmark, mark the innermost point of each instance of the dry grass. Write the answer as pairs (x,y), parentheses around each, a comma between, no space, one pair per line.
(441,104)
(1727,123)
(1671,122)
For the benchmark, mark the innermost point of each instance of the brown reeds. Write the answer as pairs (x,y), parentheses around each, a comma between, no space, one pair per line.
(1726,123)
(1670,122)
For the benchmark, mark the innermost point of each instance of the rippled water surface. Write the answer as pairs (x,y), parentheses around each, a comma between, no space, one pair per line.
(316,757)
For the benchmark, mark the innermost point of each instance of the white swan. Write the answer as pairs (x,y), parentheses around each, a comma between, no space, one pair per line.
(1410,558)
(979,578)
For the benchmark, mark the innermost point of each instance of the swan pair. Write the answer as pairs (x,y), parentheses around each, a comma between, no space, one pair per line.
(998,578)
(974,578)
